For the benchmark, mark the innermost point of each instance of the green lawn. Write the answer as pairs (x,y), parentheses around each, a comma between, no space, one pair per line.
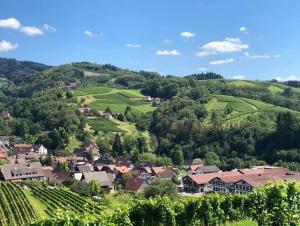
(215,105)
(104,125)
(116,99)
(258,104)
(37,205)
(91,90)
(236,103)
(274,88)
(241,83)
(73,143)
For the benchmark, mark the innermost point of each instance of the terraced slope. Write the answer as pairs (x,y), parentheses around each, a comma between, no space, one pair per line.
(15,208)
(240,107)
(99,98)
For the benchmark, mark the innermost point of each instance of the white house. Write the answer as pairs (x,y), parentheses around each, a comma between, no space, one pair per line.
(39,148)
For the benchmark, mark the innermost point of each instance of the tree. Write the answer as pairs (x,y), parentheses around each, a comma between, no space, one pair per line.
(128,114)
(121,117)
(3,162)
(117,147)
(108,110)
(94,188)
(141,143)
(177,157)
(129,144)
(288,92)
(211,158)
(46,161)
(125,178)
(160,187)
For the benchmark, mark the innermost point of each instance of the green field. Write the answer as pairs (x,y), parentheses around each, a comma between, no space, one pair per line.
(116,99)
(242,108)
(241,83)
(104,125)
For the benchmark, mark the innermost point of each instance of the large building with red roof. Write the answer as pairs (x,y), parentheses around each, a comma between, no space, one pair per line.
(236,181)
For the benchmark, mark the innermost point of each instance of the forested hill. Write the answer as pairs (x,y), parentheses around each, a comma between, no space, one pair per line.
(230,123)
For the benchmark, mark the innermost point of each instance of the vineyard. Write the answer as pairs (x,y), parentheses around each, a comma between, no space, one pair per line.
(56,198)
(15,209)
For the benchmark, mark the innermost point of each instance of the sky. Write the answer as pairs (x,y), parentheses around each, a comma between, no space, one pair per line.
(240,39)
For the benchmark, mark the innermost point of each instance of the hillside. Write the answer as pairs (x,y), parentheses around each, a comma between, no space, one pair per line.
(232,123)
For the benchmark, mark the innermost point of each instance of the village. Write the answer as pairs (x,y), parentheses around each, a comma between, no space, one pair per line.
(26,162)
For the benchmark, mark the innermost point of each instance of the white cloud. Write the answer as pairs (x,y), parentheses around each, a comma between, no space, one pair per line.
(89,33)
(31,31)
(130,45)
(202,69)
(246,54)
(219,62)
(264,56)
(229,45)
(260,56)
(11,23)
(240,77)
(6,46)
(167,40)
(288,78)
(244,30)
(168,53)
(187,34)
(49,28)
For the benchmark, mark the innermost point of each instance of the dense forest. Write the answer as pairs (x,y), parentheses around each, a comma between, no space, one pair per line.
(44,110)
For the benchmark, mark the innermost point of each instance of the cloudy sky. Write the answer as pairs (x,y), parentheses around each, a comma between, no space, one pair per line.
(257,39)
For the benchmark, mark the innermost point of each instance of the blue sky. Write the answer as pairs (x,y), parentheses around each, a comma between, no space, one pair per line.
(257,39)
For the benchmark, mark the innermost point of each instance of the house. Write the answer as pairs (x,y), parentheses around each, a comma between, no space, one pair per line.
(91,148)
(39,148)
(5,140)
(135,184)
(22,149)
(5,115)
(20,172)
(156,169)
(73,85)
(105,115)
(61,177)
(148,98)
(80,169)
(167,174)
(104,179)
(85,111)
(122,169)
(3,152)
(197,183)
(198,169)
(108,168)
(17,159)
(144,173)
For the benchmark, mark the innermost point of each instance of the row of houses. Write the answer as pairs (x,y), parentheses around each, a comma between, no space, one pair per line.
(86,164)
(236,181)
(102,114)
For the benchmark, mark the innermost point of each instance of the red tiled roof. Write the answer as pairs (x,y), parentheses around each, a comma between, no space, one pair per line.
(122,169)
(22,148)
(206,177)
(158,169)
(63,159)
(134,184)
(194,167)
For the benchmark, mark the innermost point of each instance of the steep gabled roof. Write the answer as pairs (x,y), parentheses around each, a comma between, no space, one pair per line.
(134,184)
(104,179)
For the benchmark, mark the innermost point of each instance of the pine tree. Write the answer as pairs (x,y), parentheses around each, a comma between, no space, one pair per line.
(117,147)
